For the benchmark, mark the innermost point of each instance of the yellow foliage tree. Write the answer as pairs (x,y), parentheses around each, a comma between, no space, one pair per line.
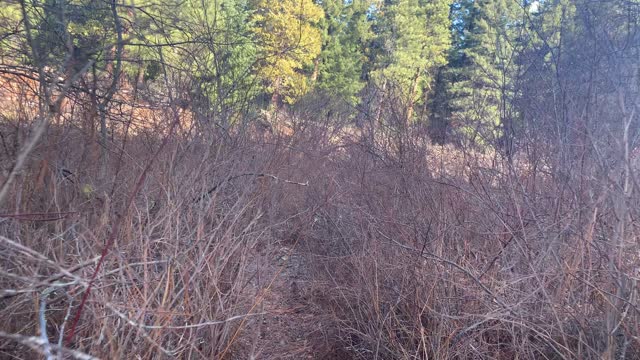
(289,41)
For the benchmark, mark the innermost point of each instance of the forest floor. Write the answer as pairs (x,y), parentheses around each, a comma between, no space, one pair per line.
(291,326)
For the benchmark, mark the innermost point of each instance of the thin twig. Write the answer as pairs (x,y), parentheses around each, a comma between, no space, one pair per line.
(215,187)
(37,344)
(188,326)
(43,323)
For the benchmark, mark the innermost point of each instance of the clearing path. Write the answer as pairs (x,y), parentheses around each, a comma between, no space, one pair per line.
(292,326)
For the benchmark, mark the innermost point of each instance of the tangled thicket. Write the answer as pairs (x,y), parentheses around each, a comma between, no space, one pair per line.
(431,251)
(153,205)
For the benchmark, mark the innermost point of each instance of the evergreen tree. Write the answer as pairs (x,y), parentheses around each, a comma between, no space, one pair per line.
(485,90)
(462,17)
(68,33)
(413,38)
(346,30)
(289,40)
(554,25)
(223,58)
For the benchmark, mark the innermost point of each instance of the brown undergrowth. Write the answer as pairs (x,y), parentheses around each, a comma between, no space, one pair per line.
(318,243)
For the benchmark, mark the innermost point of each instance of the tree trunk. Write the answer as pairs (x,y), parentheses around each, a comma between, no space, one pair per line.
(412,97)
(316,69)
(275,96)
(381,102)
(140,77)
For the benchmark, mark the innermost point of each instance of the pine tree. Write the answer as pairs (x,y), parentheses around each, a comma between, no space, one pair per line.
(462,17)
(346,30)
(492,40)
(71,33)
(289,40)
(413,38)
(554,24)
(223,62)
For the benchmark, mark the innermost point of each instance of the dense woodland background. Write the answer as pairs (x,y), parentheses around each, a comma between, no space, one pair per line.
(401,179)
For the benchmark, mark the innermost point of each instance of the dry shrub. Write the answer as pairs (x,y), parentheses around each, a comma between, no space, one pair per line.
(178,279)
(416,257)
(411,250)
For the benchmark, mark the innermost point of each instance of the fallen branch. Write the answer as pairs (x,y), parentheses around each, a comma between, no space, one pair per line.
(257,175)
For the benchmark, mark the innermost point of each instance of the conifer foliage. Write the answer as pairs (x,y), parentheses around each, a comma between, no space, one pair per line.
(289,41)
(474,69)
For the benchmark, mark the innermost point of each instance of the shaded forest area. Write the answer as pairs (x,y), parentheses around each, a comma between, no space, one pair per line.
(329,179)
